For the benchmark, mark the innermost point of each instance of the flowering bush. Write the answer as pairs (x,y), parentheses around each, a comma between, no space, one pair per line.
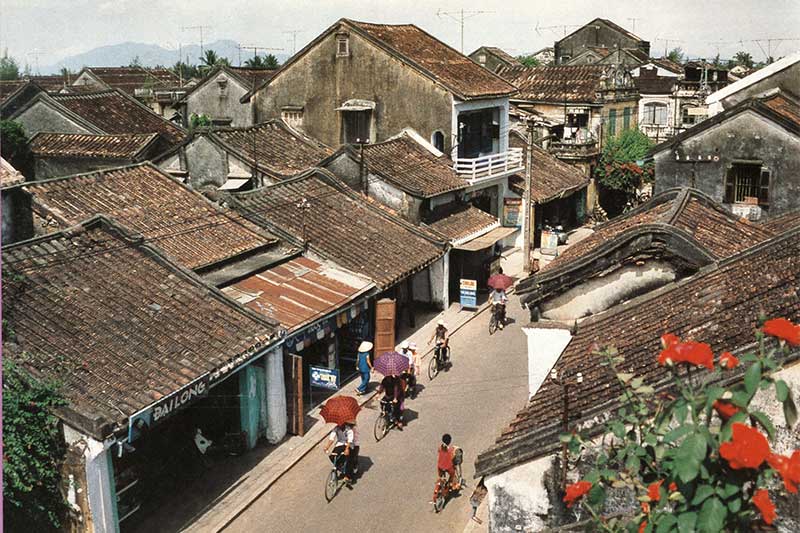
(697,457)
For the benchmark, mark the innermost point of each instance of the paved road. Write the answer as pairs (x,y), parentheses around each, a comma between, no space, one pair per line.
(473,401)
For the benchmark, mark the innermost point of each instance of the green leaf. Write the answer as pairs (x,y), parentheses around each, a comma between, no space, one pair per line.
(702,493)
(790,411)
(712,515)
(645,390)
(734,505)
(690,453)
(633,463)
(765,422)
(565,437)
(686,522)
(728,490)
(781,390)
(666,523)
(712,395)
(636,383)
(677,433)
(752,378)
(624,377)
(596,496)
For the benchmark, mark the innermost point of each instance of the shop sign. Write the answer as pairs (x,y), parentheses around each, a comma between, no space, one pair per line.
(549,243)
(324,378)
(577,110)
(512,208)
(166,407)
(319,330)
(469,293)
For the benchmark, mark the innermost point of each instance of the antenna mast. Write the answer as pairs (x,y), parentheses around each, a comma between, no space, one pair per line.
(460,16)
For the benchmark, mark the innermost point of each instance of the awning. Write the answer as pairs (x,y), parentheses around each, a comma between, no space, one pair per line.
(357,105)
(486,240)
(233,184)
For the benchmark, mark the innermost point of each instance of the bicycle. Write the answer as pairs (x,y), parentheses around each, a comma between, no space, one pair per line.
(442,491)
(440,359)
(335,479)
(497,317)
(385,420)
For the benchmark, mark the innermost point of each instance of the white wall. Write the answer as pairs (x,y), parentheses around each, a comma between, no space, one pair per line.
(99,479)
(518,497)
(276,396)
(598,294)
(387,194)
(545,346)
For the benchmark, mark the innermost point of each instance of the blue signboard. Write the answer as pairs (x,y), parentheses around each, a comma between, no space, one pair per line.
(469,293)
(324,378)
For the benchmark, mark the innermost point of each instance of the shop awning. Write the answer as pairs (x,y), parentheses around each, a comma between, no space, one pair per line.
(233,184)
(486,240)
(357,105)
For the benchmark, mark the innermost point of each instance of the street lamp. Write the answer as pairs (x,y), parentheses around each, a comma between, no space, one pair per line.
(565,384)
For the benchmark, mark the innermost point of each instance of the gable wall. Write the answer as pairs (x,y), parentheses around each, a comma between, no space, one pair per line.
(41,117)
(216,104)
(589,36)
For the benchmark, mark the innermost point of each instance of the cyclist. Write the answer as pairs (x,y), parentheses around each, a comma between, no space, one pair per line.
(392,388)
(444,463)
(499,299)
(353,445)
(409,349)
(338,439)
(442,337)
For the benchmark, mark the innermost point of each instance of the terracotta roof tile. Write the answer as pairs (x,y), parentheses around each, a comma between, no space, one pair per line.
(454,70)
(189,228)
(465,221)
(118,324)
(502,54)
(279,149)
(550,176)
(342,226)
(571,83)
(128,79)
(783,222)
(81,145)
(251,75)
(9,176)
(9,87)
(786,107)
(413,168)
(719,306)
(112,112)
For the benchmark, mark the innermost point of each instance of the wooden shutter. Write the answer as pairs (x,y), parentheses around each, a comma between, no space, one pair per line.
(730,182)
(763,186)
(626,118)
(384,326)
(293,378)
(612,122)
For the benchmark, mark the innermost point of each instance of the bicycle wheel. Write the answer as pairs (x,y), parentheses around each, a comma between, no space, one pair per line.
(492,324)
(438,503)
(381,427)
(331,485)
(433,367)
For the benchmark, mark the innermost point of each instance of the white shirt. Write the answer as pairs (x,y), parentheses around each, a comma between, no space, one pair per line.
(352,436)
(338,437)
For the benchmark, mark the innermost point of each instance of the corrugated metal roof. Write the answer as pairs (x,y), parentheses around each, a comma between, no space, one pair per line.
(298,292)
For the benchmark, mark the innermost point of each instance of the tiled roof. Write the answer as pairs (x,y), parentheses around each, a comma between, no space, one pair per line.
(411,167)
(252,75)
(571,83)
(654,84)
(298,292)
(80,145)
(719,306)
(550,177)
(112,112)
(116,323)
(188,227)
(279,150)
(9,87)
(51,83)
(465,221)
(128,79)
(715,228)
(9,175)
(452,69)
(501,54)
(668,64)
(341,226)
(784,106)
(783,222)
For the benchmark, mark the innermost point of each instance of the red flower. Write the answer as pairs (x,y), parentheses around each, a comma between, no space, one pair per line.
(788,468)
(645,507)
(727,360)
(783,329)
(642,526)
(696,353)
(668,339)
(765,506)
(653,492)
(748,448)
(576,491)
(673,487)
(724,409)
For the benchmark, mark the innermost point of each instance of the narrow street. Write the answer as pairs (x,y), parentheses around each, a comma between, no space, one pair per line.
(473,401)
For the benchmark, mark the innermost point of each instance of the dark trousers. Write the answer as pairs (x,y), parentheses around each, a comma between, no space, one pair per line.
(352,461)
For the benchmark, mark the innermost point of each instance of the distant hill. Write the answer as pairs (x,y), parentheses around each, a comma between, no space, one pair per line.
(149,55)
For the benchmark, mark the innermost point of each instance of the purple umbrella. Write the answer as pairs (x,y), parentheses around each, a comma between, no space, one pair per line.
(391,364)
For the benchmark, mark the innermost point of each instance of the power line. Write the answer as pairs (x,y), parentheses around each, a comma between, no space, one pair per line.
(255,50)
(293,33)
(460,17)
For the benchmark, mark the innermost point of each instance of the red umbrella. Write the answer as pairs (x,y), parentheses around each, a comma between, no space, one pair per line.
(500,282)
(340,409)
(391,364)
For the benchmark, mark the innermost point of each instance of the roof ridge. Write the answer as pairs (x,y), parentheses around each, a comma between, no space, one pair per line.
(679,204)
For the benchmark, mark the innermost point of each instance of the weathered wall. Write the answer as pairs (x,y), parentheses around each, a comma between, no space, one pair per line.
(545,345)
(598,35)
(220,104)
(390,196)
(320,82)
(487,60)
(99,481)
(746,136)
(41,117)
(431,284)
(598,294)
(620,107)
(53,167)
(518,499)
(787,80)
(17,224)
(207,163)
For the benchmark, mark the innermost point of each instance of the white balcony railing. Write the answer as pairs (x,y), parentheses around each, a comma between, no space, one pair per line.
(489,166)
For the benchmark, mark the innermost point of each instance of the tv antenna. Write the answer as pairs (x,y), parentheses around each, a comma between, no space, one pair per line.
(293,33)
(554,28)
(255,50)
(666,43)
(200,28)
(633,23)
(460,16)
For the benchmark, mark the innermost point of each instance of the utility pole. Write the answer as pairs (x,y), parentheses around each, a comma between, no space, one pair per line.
(666,43)
(293,33)
(255,50)
(201,28)
(633,22)
(528,209)
(460,16)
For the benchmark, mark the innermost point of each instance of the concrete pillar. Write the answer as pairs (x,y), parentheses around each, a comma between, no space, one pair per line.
(249,404)
(275,396)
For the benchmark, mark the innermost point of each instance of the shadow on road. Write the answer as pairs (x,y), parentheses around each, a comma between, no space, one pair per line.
(364,464)
(409,415)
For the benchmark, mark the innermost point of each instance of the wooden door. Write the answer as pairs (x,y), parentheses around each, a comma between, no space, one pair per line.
(384,326)
(293,374)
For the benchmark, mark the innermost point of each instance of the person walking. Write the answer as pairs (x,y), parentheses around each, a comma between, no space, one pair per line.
(364,366)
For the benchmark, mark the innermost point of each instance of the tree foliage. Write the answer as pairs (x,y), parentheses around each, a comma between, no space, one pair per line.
(185,70)
(744,59)
(14,146)
(696,457)
(9,68)
(33,451)
(211,59)
(267,61)
(618,172)
(529,61)
(199,121)
(676,55)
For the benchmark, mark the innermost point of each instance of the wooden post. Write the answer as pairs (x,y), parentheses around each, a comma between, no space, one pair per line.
(526,248)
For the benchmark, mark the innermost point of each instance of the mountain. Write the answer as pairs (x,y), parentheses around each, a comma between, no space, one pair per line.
(149,55)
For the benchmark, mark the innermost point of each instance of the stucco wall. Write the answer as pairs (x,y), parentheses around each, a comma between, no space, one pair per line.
(17,224)
(53,167)
(518,498)
(41,117)
(545,346)
(746,136)
(431,285)
(598,294)
(788,80)
(99,481)
(216,104)
(390,196)
(320,82)
(207,163)
(598,35)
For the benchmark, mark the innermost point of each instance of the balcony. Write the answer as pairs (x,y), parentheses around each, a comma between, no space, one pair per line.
(487,167)
(572,149)
(659,132)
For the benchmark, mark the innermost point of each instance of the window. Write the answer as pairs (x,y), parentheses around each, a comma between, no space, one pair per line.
(342,44)
(293,117)
(612,122)
(482,59)
(438,141)
(692,115)
(356,126)
(747,183)
(626,118)
(655,113)
(222,84)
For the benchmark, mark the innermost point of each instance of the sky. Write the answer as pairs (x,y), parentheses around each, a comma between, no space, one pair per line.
(54,29)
